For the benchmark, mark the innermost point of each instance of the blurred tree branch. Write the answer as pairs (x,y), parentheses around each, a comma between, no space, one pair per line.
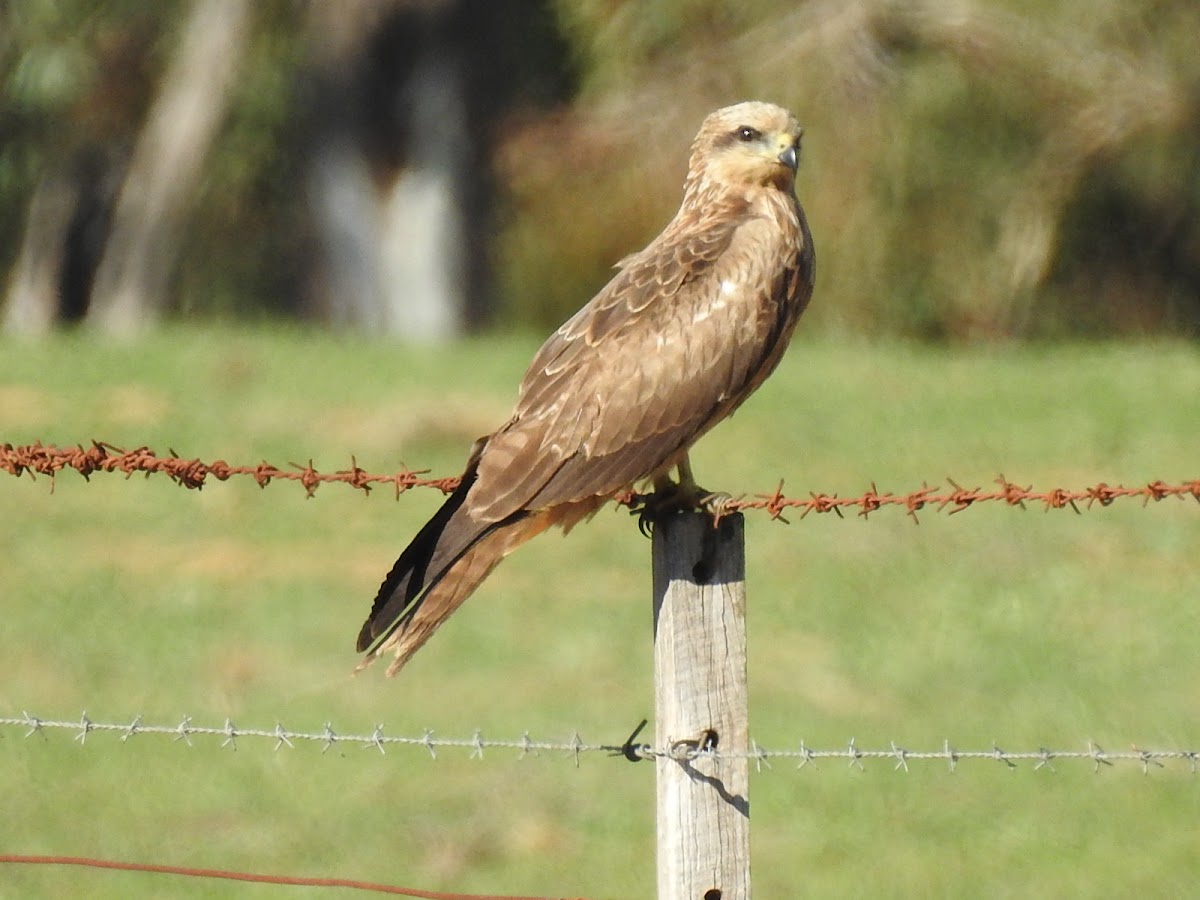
(972,169)
(953,155)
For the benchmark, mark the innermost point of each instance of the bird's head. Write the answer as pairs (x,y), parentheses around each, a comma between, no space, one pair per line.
(748,144)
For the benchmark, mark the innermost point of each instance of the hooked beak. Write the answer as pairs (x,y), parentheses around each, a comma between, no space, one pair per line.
(788,157)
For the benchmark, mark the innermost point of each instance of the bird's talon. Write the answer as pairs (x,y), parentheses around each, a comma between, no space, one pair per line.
(672,497)
(642,506)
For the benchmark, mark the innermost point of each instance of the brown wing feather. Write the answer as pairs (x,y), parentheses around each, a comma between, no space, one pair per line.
(657,358)
(449,535)
(415,620)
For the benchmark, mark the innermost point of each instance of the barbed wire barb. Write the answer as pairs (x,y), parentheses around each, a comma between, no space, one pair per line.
(35,725)
(132,729)
(46,459)
(1002,757)
(183,731)
(330,736)
(85,727)
(951,756)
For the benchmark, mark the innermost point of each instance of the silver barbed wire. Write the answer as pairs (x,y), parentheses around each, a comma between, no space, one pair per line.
(575,746)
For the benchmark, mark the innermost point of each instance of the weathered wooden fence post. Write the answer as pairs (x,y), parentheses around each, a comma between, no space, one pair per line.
(700,703)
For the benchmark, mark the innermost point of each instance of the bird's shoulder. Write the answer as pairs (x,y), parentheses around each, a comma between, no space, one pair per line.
(692,251)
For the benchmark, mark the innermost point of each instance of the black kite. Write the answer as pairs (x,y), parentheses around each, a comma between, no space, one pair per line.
(686,330)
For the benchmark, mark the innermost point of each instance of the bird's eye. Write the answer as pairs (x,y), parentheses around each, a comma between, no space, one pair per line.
(746,133)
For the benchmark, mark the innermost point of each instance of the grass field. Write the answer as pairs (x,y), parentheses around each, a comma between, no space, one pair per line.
(1027,628)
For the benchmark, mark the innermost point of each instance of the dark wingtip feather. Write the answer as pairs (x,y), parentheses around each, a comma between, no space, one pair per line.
(405,583)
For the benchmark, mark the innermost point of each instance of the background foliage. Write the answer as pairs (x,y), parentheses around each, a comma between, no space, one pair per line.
(971,170)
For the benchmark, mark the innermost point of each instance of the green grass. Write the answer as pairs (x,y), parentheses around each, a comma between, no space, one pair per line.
(1027,628)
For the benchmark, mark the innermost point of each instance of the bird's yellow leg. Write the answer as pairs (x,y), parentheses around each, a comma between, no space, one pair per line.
(692,496)
(684,495)
(687,487)
(675,496)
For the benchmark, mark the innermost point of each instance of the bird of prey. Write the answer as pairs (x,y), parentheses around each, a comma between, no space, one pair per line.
(684,332)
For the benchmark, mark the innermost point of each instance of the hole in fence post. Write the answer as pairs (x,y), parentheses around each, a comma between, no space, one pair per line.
(714,894)
(713,538)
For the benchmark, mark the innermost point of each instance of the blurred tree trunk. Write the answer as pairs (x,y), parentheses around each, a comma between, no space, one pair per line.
(393,168)
(407,98)
(428,229)
(130,290)
(65,225)
(33,291)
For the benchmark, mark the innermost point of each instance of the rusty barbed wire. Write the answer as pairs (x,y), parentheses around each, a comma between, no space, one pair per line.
(961,498)
(575,746)
(42,459)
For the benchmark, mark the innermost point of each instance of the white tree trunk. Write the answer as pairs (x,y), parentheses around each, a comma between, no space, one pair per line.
(33,290)
(130,290)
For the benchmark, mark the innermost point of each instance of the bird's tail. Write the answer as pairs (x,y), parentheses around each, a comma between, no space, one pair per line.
(445,562)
